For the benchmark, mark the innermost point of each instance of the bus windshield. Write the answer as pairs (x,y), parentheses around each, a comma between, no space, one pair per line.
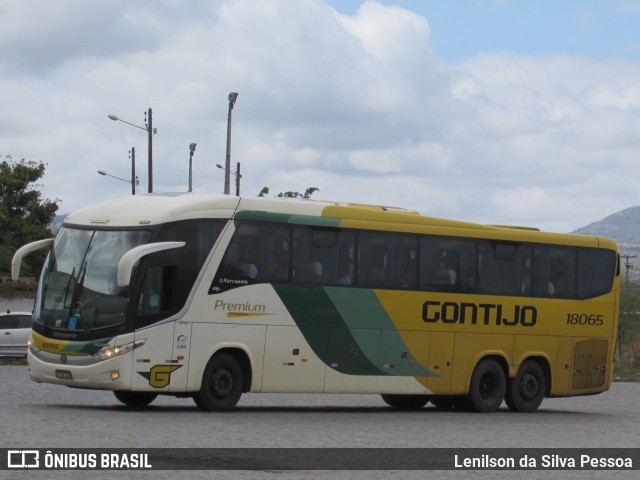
(78,288)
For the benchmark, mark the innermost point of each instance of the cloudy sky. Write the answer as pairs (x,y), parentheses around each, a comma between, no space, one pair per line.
(493,111)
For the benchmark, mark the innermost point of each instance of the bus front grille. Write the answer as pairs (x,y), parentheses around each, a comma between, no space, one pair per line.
(589,364)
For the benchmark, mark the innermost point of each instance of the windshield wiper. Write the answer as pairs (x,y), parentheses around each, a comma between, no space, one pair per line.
(60,297)
(75,304)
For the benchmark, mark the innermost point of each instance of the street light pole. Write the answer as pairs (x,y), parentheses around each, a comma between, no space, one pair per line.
(227,171)
(192,150)
(150,132)
(132,182)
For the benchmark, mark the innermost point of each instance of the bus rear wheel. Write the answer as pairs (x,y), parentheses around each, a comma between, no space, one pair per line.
(409,402)
(221,384)
(135,399)
(488,387)
(526,391)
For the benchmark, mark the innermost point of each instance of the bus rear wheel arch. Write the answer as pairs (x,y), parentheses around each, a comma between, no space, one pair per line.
(488,386)
(527,389)
(223,382)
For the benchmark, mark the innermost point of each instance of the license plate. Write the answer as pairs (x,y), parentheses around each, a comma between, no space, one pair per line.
(64,374)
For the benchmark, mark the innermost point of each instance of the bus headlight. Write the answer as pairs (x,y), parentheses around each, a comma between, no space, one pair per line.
(111,352)
(31,346)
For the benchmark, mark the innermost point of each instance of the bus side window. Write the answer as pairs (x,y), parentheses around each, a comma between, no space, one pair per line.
(554,272)
(387,260)
(373,259)
(323,255)
(257,253)
(505,268)
(596,270)
(448,264)
(278,254)
(308,256)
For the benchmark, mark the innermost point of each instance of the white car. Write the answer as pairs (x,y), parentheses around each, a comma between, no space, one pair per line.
(14,333)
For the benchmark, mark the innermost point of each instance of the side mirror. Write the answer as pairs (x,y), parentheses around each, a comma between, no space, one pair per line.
(25,250)
(129,259)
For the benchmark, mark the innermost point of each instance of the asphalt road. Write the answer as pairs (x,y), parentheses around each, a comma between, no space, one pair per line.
(49,416)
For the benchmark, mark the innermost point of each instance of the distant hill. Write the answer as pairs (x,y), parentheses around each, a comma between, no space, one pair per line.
(624,228)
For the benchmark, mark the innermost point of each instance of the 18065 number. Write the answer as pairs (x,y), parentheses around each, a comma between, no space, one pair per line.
(584,319)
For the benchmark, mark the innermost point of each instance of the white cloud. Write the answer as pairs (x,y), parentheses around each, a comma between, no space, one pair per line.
(359,106)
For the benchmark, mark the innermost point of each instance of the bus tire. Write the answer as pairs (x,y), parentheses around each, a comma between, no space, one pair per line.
(526,391)
(488,387)
(221,384)
(135,399)
(408,402)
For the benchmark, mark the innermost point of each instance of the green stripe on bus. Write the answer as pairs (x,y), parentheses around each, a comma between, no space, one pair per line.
(363,312)
(350,330)
(326,331)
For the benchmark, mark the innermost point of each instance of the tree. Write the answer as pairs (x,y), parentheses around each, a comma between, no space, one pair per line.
(628,326)
(306,195)
(24,215)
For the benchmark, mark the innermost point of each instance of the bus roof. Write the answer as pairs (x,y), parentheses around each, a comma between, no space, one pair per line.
(154,209)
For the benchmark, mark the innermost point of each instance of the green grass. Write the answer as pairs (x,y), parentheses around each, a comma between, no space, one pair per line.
(13,361)
(625,373)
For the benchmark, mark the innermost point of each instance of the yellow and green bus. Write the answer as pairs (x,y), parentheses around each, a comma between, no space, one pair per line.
(213,296)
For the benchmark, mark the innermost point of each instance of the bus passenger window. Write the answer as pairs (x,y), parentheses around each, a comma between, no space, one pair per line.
(387,260)
(596,269)
(322,256)
(257,253)
(278,261)
(554,272)
(448,264)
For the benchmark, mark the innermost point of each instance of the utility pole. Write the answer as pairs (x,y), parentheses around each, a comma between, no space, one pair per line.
(150,133)
(133,170)
(627,264)
(238,177)
(192,150)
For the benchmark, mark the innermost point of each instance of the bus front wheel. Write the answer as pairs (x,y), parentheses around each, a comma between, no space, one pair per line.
(488,386)
(135,399)
(221,384)
(526,391)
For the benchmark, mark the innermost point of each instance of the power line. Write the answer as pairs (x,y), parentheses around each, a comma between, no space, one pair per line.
(627,264)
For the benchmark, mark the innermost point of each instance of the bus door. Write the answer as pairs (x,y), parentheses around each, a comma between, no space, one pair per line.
(160,364)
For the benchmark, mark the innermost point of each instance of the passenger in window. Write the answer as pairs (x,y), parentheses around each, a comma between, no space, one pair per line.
(344,275)
(314,272)
(279,267)
(279,262)
(247,270)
